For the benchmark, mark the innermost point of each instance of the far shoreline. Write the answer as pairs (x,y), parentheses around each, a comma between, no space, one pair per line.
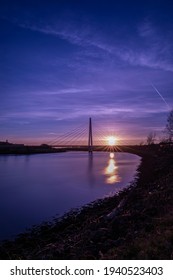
(7,148)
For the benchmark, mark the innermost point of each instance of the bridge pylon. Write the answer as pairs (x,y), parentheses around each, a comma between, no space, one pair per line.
(90,138)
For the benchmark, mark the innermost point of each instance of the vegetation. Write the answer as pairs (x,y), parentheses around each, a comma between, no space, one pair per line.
(169,126)
(20,149)
(151,138)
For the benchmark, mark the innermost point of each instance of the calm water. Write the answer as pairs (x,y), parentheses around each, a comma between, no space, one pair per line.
(34,188)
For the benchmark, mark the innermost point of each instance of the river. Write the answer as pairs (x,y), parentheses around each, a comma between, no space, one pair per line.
(34,188)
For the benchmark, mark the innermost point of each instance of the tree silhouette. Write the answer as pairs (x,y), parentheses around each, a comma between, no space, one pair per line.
(169,126)
(151,138)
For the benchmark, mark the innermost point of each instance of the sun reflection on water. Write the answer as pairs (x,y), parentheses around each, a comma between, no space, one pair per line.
(111,155)
(111,171)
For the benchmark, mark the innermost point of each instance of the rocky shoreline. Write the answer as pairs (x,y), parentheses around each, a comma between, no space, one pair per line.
(135,224)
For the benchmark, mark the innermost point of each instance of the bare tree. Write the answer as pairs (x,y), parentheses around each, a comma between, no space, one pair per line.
(151,138)
(169,126)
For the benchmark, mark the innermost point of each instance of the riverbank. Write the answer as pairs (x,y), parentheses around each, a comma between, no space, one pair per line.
(135,224)
(7,148)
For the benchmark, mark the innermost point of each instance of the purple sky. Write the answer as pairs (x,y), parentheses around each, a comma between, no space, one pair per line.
(65,61)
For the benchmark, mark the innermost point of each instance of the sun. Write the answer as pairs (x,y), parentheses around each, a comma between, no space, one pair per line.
(111,140)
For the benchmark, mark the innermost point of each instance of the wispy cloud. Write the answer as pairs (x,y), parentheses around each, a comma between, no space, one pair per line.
(150,48)
(146,29)
(154,54)
(79,36)
(146,58)
(67,90)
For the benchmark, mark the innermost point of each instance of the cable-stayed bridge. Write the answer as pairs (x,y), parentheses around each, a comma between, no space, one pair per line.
(87,137)
(81,136)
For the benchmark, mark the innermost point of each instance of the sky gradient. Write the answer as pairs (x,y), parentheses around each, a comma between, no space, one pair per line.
(65,61)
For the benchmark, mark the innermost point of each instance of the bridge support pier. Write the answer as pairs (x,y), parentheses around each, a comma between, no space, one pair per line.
(90,138)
